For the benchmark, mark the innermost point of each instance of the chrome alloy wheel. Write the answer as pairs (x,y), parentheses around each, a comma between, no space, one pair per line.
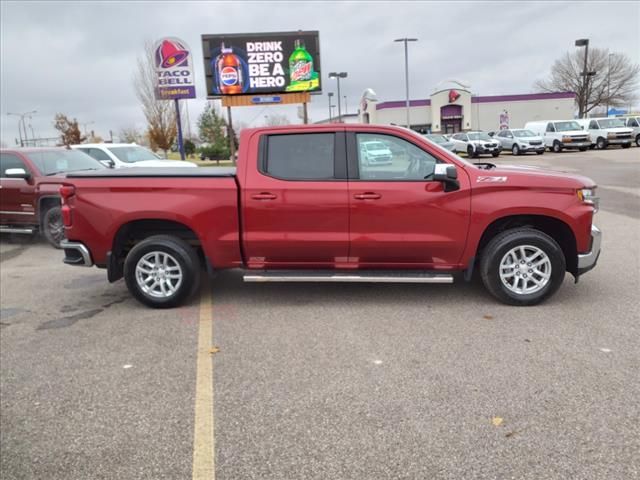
(525,269)
(158,274)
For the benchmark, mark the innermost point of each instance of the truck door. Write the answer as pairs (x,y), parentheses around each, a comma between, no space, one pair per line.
(295,201)
(399,216)
(16,194)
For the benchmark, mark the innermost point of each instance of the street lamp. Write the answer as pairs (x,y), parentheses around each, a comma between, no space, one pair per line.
(406,70)
(330,94)
(338,76)
(346,106)
(584,42)
(21,122)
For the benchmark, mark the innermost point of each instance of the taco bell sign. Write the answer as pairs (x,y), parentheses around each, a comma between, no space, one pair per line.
(174,69)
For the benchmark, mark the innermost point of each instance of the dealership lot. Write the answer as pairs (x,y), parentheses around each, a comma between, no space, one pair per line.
(329,381)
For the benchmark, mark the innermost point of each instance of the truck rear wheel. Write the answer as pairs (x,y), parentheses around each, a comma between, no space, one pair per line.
(162,271)
(52,226)
(522,266)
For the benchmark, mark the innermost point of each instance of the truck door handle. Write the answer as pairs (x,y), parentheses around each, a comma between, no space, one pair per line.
(367,196)
(264,196)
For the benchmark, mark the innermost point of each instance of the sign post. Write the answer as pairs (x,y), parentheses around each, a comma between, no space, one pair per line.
(174,76)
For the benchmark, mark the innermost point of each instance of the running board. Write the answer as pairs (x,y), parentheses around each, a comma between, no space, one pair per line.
(350,277)
(27,231)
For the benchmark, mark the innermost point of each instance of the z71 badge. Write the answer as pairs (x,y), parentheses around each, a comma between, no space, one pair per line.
(489,179)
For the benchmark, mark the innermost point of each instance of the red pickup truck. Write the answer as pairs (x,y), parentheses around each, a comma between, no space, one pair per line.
(308,204)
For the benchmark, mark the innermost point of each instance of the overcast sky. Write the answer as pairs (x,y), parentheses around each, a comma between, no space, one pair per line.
(78,57)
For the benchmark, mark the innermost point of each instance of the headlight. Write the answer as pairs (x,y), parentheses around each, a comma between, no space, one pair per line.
(566,139)
(523,145)
(588,196)
(611,135)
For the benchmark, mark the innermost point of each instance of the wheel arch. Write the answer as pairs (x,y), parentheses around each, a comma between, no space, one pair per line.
(45,203)
(557,229)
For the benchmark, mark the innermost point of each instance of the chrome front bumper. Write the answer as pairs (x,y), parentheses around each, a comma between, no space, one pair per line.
(75,253)
(586,261)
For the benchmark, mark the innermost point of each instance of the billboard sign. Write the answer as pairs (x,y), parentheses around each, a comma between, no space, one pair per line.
(262,63)
(174,69)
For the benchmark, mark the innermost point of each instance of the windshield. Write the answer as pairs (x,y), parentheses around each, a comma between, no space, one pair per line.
(133,153)
(376,146)
(523,133)
(437,138)
(610,123)
(479,136)
(60,161)
(567,126)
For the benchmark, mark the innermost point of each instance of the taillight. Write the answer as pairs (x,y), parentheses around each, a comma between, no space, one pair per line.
(66,192)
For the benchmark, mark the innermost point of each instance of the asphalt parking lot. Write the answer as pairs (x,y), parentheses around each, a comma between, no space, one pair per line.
(327,381)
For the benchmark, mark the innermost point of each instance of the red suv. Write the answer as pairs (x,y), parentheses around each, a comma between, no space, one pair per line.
(29,183)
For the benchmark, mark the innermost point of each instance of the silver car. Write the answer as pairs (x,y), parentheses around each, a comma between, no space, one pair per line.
(441,140)
(520,140)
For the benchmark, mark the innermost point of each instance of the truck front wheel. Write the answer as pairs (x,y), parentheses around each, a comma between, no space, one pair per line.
(162,271)
(522,266)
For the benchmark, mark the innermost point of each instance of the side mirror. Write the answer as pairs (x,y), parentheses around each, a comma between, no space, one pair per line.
(17,173)
(447,174)
(108,163)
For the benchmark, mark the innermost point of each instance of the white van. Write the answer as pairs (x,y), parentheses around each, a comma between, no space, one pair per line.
(633,122)
(560,134)
(607,131)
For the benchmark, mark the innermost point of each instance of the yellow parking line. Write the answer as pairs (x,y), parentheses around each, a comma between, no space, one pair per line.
(203,441)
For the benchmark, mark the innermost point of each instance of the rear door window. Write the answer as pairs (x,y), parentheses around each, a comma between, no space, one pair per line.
(300,156)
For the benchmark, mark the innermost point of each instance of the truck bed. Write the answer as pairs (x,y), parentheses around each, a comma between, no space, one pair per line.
(149,172)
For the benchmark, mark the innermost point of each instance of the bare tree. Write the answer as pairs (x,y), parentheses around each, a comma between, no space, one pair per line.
(276,119)
(615,82)
(130,135)
(160,114)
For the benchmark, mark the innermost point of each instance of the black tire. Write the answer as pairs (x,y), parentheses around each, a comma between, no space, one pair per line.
(495,154)
(637,140)
(515,150)
(557,147)
(471,153)
(601,143)
(502,243)
(583,149)
(186,258)
(53,227)
(626,145)
(540,153)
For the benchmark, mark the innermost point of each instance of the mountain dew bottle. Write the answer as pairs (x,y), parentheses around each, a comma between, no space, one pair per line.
(300,64)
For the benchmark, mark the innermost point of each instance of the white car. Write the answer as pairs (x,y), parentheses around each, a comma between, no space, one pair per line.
(519,140)
(124,155)
(376,153)
(560,134)
(475,143)
(634,124)
(607,131)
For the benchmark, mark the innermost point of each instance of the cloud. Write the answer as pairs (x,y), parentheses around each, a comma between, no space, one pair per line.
(78,58)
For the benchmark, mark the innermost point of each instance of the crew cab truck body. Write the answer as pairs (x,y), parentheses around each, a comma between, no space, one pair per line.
(304,205)
(29,182)
(607,131)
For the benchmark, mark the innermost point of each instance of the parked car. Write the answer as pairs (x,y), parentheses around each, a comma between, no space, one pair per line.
(561,134)
(633,123)
(441,140)
(303,206)
(475,143)
(607,131)
(30,179)
(375,152)
(124,155)
(520,140)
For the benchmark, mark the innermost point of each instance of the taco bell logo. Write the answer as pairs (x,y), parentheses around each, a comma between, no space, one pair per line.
(174,70)
(171,54)
(453,96)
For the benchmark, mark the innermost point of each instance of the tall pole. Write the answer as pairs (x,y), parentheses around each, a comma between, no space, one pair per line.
(608,82)
(346,106)
(179,122)
(330,94)
(338,76)
(406,72)
(586,81)
(232,145)
(305,113)
(339,112)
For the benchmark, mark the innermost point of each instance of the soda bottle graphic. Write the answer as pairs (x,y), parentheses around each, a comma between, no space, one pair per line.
(229,71)
(300,64)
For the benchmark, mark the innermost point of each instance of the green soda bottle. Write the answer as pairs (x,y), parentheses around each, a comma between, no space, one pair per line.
(300,64)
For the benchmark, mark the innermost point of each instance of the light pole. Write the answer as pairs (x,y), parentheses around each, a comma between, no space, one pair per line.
(338,76)
(609,82)
(584,42)
(21,122)
(330,94)
(346,106)
(85,126)
(406,70)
